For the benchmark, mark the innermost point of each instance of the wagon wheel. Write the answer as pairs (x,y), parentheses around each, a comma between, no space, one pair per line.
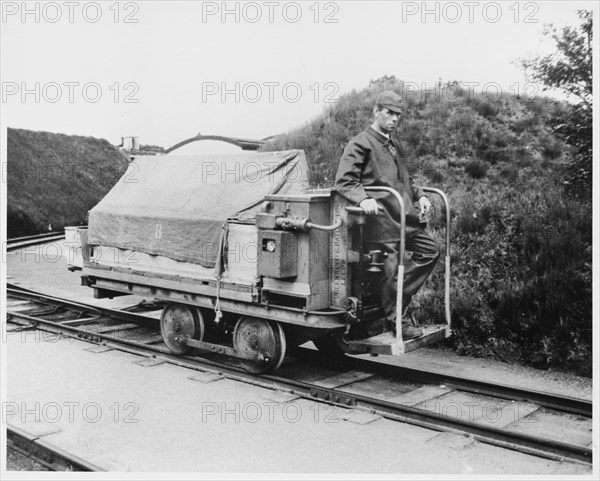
(178,322)
(262,338)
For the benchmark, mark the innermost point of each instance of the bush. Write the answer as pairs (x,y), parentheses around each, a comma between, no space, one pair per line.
(510,173)
(521,250)
(476,169)
(55,179)
(485,108)
(525,123)
(551,147)
(430,168)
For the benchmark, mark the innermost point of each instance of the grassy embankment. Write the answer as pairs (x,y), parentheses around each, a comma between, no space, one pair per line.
(54,179)
(521,248)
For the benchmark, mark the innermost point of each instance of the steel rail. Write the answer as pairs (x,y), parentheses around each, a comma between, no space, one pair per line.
(562,403)
(526,443)
(43,452)
(19,242)
(34,236)
(535,445)
(23,292)
(477,386)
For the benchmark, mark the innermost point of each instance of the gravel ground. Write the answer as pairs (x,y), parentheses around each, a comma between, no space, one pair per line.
(16,461)
(163,418)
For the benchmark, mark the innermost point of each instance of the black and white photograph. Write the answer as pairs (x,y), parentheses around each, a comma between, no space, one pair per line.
(299,239)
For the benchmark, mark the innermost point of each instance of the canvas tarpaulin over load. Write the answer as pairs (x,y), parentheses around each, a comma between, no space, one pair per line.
(175,206)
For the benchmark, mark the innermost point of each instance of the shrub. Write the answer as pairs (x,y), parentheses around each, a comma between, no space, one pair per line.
(509,172)
(55,179)
(551,147)
(430,168)
(485,108)
(521,250)
(525,123)
(476,169)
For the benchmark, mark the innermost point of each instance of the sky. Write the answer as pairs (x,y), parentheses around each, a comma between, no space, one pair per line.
(166,71)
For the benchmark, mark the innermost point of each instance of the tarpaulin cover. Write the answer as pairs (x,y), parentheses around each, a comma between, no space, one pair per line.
(175,206)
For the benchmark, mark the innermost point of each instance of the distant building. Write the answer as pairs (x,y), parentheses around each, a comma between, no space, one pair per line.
(131,146)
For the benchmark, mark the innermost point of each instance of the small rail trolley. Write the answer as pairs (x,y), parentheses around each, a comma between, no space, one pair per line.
(238,245)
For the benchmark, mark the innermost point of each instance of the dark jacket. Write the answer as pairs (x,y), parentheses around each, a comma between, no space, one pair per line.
(367,161)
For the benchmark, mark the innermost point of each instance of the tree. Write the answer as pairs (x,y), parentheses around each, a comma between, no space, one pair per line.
(570,69)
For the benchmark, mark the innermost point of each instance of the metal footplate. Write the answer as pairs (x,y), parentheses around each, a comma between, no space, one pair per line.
(387,343)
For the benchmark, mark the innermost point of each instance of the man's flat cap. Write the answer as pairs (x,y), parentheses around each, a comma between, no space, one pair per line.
(390,100)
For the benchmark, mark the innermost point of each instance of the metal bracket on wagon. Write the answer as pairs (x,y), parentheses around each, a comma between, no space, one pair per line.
(353,308)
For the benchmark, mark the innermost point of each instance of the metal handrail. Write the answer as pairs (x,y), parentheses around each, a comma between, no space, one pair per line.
(447,257)
(402,249)
(400,284)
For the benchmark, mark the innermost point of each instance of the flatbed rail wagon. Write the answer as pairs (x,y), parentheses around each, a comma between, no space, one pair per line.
(238,244)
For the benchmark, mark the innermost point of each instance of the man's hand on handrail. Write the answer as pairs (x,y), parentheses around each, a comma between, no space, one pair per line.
(370,206)
(424,205)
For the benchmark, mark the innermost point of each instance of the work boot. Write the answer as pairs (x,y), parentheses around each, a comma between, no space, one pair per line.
(408,331)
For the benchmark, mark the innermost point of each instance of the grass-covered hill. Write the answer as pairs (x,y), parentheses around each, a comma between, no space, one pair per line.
(521,248)
(54,179)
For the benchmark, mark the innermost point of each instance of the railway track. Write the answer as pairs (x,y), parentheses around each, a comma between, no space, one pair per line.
(52,457)
(537,423)
(19,242)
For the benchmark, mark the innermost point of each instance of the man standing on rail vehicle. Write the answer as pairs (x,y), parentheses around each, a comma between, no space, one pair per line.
(374,158)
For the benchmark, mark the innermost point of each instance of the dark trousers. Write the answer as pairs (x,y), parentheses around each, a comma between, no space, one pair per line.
(425,254)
